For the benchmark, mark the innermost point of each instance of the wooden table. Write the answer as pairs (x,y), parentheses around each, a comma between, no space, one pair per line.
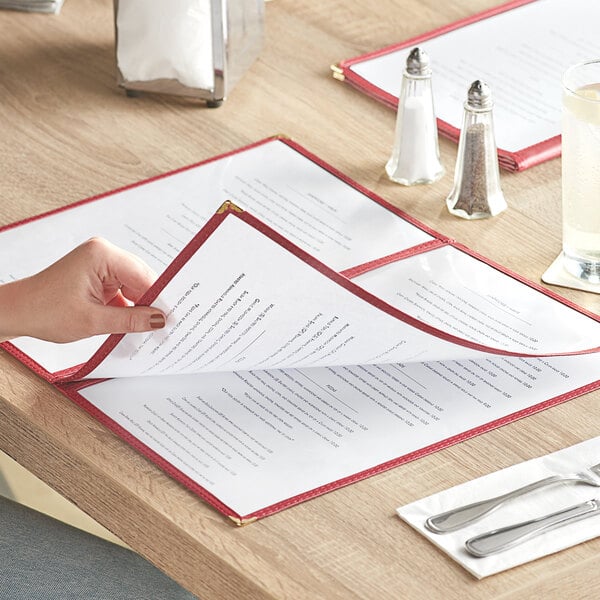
(67,133)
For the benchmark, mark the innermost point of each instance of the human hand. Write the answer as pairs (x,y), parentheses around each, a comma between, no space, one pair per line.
(87,292)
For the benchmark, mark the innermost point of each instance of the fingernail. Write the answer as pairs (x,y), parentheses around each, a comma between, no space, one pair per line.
(157,321)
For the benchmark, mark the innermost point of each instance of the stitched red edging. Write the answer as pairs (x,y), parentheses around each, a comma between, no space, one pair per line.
(511,161)
(28,361)
(538,153)
(390,258)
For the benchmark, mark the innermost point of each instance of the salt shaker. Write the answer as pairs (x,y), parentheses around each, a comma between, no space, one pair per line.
(476,193)
(416,156)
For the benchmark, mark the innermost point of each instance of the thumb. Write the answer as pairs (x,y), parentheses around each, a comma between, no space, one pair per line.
(115,319)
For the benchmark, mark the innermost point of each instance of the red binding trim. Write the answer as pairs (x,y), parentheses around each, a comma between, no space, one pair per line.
(390,258)
(461,437)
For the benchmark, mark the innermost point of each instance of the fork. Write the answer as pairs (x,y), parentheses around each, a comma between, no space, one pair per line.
(461,516)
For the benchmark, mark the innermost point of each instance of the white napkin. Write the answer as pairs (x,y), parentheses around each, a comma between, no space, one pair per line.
(532,505)
(556,274)
(166,40)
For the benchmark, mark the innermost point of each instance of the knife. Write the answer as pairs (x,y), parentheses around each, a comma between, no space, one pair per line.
(504,538)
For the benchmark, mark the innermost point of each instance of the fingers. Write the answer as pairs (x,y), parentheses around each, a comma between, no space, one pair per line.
(113,319)
(135,277)
(119,300)
(119,270)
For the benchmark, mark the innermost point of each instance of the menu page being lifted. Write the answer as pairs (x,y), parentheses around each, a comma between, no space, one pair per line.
(244,301)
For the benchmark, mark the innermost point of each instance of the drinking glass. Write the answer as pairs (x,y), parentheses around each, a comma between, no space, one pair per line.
(581,170)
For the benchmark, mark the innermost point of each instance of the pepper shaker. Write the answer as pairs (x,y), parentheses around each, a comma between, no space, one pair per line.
(416,156)
(476,193)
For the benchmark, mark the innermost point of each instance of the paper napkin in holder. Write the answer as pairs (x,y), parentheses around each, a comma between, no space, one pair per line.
(194,48)
(535,504)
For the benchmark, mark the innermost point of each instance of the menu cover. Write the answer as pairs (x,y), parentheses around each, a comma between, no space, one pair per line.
(333,338)
(521,49)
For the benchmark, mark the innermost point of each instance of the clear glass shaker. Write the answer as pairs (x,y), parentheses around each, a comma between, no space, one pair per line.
(476,193)
(415,156)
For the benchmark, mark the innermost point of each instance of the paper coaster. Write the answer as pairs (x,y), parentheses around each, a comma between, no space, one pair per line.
(556,274)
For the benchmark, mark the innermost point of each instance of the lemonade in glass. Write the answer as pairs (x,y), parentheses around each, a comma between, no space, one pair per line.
(581,171)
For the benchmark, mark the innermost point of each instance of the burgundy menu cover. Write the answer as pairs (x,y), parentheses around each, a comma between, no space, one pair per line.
(275,362)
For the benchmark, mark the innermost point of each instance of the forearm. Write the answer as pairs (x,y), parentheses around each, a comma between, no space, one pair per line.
(13,323)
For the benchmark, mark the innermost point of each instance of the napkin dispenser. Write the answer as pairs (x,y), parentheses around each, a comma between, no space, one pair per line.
(194,48)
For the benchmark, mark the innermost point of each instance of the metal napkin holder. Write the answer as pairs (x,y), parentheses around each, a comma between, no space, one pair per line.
(237,31)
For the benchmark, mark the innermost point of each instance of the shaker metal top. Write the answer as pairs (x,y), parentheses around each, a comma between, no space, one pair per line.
(417,62)
(479,95)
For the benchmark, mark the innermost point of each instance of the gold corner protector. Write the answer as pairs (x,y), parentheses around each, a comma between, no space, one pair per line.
(243,522)
(337,72)
(229,205)
(282,136)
